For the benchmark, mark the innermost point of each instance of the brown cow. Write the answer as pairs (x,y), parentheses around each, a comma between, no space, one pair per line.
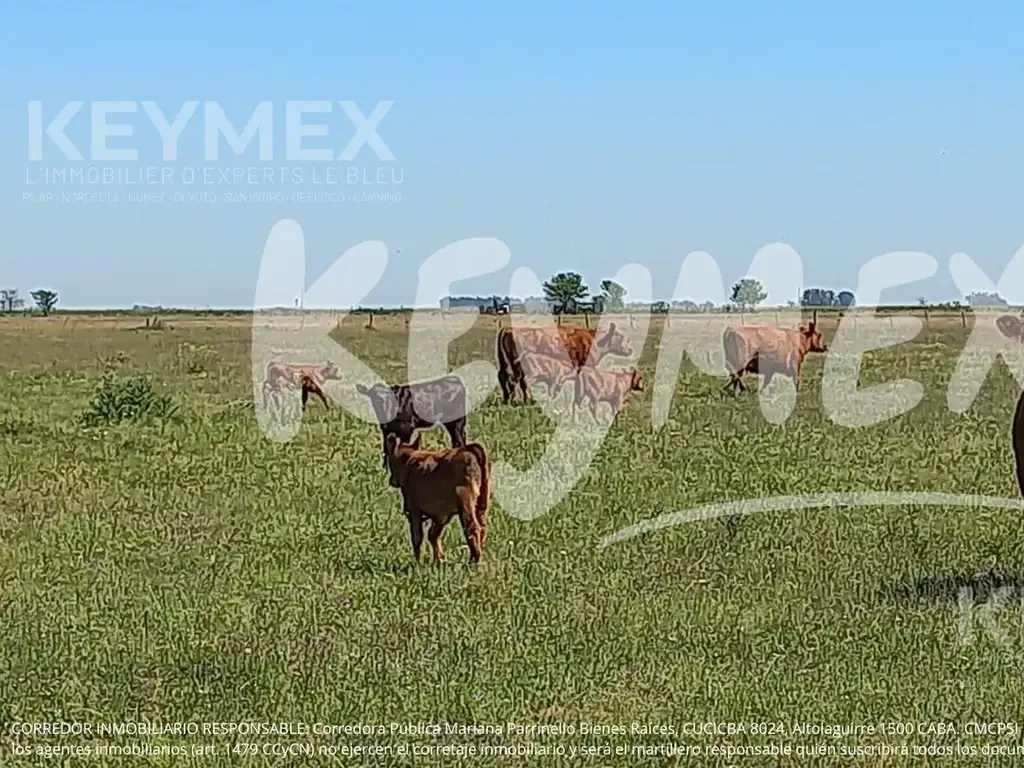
(612,387)
(541,369)
(767,350)
(310,378)
(576,343)
(439,485)
(1011,327)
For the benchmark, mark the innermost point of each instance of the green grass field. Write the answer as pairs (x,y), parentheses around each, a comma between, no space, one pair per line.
(192,570)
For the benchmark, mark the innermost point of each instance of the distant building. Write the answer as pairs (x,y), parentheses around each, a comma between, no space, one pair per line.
(489,304)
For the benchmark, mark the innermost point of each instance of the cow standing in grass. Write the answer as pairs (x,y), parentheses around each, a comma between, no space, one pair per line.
(401,409)
(541,369)
(1013,328)
(577,346)
(769,351)
(612,387)
(309,378)
(439,485)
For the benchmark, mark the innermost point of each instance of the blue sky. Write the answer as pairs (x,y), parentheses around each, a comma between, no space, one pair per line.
(584,136)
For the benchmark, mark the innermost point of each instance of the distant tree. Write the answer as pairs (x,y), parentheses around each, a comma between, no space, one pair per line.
(707,306)
(748,293)
(985,299)
(686,306)
(10,300)
(922,301)
(45,300)
(660,307)
(612,295)
(846,299)
(818,297)
(566,290)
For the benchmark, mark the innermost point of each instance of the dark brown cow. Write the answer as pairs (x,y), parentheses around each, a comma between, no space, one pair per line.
(310,378)
(1011,327)
(612,387)
(769,351)
(541,369)
(440,485)
(401,409)
(576,343)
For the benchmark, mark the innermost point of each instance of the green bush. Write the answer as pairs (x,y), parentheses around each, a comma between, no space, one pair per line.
(117,400)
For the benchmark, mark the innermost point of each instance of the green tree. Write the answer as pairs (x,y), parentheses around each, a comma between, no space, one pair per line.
(612,295)
(10,300)
(748,293)
(566,290)
(45,300)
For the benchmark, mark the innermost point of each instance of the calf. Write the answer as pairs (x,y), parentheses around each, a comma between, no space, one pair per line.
(440,485)
(538,368)
(577,343)
(612,387)
(401,409)
(769,351)
(310,378)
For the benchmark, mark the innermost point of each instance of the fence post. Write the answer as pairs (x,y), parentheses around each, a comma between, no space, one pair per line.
(586,319)
(926,317)
(369,323)
(963,317)
(559,319)
(632,321)
(814,317)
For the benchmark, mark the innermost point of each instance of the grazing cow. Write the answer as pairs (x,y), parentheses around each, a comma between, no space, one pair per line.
(1011,327)
(538,368)
(578,343)
(310,378)
(769,351)
(439,485)
(403,408)
(612,387)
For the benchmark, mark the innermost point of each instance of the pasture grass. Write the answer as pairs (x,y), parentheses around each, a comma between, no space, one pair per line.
(189,569)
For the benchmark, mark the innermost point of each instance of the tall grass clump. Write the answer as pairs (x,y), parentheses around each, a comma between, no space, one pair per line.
(133,399)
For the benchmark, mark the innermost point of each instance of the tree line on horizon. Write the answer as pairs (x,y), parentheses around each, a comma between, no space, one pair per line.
(567,293)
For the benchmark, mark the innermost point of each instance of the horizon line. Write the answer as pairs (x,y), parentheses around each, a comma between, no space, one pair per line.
(947,305)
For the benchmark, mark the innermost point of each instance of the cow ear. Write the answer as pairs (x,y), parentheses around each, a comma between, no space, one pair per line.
(391,443)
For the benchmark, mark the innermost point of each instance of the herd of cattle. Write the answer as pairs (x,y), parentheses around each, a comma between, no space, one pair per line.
(437,486)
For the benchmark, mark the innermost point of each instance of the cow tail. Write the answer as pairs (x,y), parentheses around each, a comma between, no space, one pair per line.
(508,354)
(483,498)
(499,350)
